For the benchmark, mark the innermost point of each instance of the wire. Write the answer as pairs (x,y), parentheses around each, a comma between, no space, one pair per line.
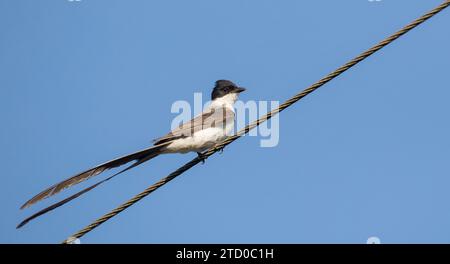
(256,123)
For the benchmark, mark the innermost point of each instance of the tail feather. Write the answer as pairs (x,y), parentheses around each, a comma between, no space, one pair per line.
(78,194)
(139,157)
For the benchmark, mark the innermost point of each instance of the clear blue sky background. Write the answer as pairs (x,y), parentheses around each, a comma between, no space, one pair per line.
(366,155)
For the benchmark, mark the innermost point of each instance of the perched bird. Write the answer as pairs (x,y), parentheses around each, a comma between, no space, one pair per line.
(204,131)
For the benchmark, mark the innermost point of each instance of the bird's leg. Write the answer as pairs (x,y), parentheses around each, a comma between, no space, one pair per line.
(202,157)
(220,150)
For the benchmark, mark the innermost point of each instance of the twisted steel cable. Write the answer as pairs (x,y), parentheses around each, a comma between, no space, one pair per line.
(256,123)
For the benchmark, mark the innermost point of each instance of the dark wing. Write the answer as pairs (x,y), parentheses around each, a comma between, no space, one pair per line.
(215,117)
(137,156)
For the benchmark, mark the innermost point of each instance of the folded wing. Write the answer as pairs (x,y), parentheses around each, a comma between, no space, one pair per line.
(214,117)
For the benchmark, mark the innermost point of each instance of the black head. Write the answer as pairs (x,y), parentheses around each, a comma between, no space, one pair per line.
(224,87)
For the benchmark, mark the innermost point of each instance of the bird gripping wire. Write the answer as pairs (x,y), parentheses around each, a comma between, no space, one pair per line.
(256,123)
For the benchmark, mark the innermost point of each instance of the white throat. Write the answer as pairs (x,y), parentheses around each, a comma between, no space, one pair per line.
(226,100)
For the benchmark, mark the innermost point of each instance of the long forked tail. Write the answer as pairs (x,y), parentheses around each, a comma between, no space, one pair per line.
(140,157)
(78,194)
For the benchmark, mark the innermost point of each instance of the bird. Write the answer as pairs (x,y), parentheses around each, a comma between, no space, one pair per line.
(204,131)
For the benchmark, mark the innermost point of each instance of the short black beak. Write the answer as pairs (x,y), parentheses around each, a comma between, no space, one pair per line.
(239,89)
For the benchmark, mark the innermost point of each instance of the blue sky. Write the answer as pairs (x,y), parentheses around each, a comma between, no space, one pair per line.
(366,155)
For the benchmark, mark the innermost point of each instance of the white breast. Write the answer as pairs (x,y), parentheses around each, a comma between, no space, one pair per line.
(202,139)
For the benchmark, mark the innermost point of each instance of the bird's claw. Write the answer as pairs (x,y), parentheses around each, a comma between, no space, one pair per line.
(202,157)
(220,150)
